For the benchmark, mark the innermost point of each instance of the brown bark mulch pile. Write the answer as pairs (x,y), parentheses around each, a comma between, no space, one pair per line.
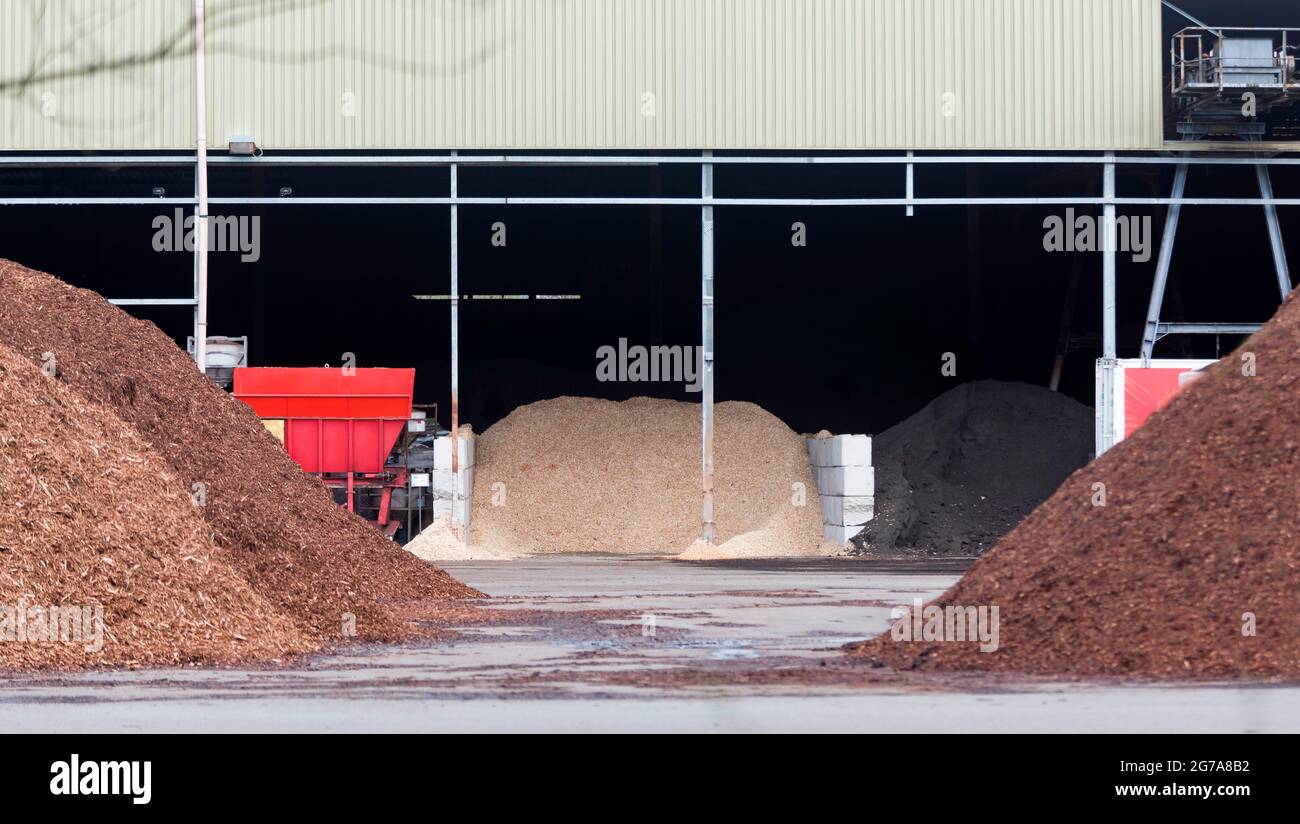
(276,526)
(104,558)
(1190,569)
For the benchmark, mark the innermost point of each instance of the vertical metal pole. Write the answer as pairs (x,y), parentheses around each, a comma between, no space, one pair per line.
(1274,231)
(1173,67)
(201,185)
(911,185)
(455,360)
(1105,420)
(1152,327)
(1109,347)
(706,311)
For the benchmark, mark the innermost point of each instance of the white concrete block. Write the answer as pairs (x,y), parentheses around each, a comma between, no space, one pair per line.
(845,480)
(442,479)
(839,534)
(440,483)
(853,510)
(841,450)
(444,506)
(442,452)
(447,499)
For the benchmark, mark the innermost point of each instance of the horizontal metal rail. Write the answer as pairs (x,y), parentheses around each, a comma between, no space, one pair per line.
(1214,29)
(153,301)
(1207,329)
(650,201)
(52,161)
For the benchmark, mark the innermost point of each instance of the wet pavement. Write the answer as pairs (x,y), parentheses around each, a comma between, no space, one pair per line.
(604,644)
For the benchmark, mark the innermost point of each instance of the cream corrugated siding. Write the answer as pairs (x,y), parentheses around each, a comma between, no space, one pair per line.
(133,96)
(583,74)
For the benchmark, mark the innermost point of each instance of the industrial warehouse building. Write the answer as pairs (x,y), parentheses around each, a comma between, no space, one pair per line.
(635,154)
(576,76)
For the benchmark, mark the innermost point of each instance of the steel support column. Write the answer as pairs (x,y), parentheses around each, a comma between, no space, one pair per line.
(911,184)
(1108,264)
(1105,435)
(706,356)
(1274,231)
(201,193)
(1150,333)
(462,534)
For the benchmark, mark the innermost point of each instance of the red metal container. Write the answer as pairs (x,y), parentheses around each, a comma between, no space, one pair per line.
(334,422)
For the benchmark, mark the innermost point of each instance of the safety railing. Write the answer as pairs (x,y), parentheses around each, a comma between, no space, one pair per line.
(1212,60)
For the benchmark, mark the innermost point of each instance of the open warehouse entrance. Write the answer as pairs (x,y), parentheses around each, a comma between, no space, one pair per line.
(845,332)
(862,286)
(847,318)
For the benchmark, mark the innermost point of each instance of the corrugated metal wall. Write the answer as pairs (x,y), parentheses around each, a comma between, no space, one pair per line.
(579,74)
(95,74)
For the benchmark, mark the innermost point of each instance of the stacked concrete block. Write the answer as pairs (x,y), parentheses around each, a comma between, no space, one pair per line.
(446,496)
(442,451)
(846,484)
(840,450)
(852,481)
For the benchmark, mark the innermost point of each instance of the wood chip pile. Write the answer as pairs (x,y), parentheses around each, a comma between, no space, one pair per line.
(94,522)
(277,527)
(587,475)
